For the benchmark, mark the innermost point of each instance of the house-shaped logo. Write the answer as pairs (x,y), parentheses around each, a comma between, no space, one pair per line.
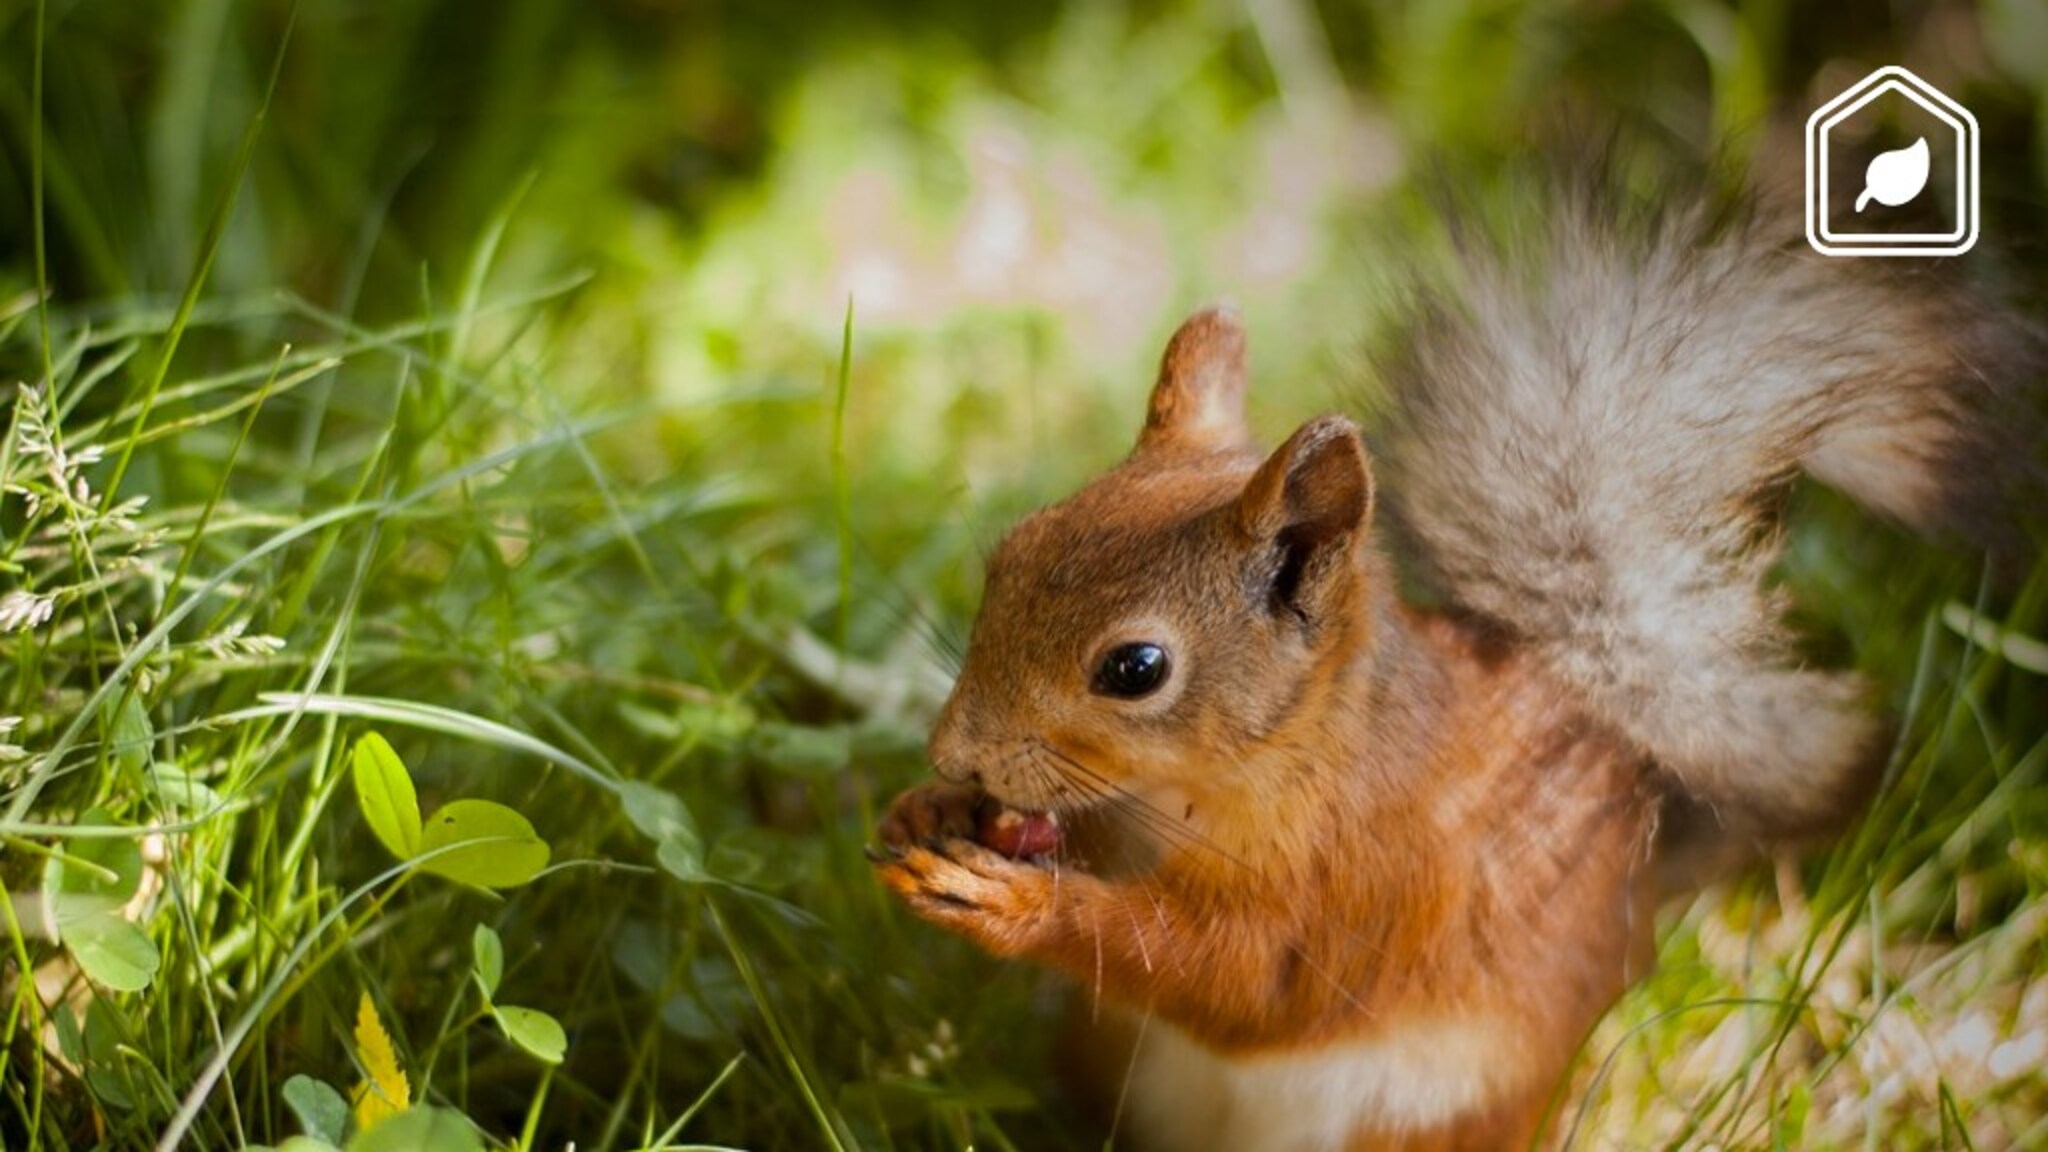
(1882,205)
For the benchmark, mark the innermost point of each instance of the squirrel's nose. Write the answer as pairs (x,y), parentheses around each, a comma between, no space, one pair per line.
(949,751)
(950,761)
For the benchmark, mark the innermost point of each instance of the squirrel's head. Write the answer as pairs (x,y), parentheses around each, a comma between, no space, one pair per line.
(1143,637)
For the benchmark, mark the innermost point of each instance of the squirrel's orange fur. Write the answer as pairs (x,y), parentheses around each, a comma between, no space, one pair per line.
(1355,875)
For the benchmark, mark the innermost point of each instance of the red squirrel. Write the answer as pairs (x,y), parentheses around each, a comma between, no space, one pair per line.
(1348,873)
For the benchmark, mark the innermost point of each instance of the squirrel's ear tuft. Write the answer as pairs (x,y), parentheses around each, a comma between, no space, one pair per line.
(1198,402)
(1313,490)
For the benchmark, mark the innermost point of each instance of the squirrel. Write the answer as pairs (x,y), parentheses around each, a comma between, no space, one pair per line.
(1346,872)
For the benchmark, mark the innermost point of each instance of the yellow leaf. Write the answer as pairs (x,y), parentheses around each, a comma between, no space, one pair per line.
(385,1092)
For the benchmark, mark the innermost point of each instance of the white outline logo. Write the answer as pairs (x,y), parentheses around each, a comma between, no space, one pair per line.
(1893,78)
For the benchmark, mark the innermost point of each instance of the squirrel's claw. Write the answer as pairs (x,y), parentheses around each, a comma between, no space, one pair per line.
(1001,904)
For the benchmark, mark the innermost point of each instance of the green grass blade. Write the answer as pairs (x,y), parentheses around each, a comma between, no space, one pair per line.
(209,248)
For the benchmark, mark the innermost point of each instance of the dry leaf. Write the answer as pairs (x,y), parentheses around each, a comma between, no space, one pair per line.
(385,1093)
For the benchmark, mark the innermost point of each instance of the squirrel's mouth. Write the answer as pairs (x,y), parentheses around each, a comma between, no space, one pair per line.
(1098,837)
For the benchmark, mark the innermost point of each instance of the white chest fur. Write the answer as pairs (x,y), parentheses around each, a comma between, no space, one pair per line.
(1183,1097)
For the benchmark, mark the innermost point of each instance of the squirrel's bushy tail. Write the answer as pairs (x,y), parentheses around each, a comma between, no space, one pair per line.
(1589,442)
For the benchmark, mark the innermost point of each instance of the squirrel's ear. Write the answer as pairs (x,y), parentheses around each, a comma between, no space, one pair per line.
(1199,400)
(1313,497)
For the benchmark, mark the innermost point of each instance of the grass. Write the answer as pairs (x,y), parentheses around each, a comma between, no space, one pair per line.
(607,406)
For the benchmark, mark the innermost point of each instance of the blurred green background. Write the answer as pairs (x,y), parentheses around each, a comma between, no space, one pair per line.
(609,403)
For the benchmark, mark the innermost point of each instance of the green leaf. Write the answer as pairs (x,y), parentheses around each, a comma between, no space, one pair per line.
(654,811)
(182,793)
(92,874)
(384,788)
(647,722)
(130,735)
(643,952)
(710,1005)
(320,1108)
(682,854)
(491,846)
(735,862)
(490,959)
(420,1129)
(116,954)
(87,883)
(757,858)
(534,1030)
(105,1073)
(70,1041)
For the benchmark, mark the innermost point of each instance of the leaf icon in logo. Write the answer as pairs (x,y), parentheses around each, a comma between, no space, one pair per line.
(1895,177)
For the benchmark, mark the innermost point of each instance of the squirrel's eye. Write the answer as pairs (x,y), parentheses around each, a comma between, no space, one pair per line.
(1131,670)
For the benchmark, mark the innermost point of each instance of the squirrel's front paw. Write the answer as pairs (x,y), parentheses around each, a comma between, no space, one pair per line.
(1001,904)
(929,813)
